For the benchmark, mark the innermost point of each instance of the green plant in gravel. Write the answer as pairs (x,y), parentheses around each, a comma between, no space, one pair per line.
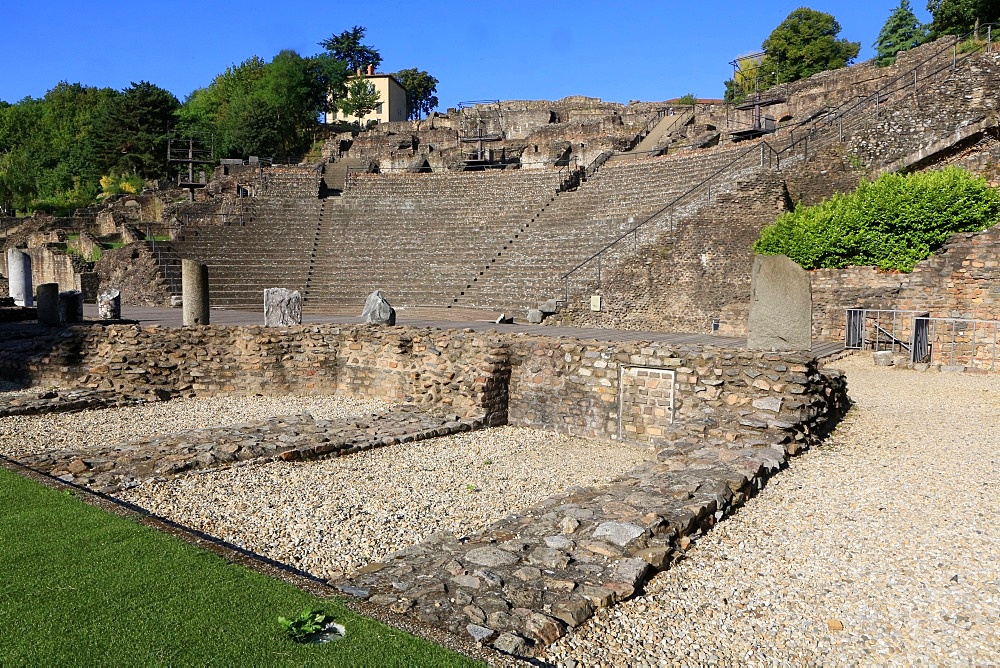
(892,223)
(309,622)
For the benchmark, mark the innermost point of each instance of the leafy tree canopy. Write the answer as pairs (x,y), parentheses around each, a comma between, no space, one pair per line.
(901,31)
(361,98)
(892,223)
(804,44)
(957,17)
(132,131)
(347,47)
(420,88)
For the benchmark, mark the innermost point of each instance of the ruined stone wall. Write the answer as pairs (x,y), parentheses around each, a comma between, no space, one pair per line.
(695,274)
(463,373)
(962,280)
(619,390)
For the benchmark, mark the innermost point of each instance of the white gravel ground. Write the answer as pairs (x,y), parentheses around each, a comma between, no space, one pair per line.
(336,515)
(890,532)
(29,434)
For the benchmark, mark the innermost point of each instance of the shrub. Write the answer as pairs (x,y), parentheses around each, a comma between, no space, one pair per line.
(892,223)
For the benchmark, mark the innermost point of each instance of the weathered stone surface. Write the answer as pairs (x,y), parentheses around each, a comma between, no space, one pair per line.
(574,611)
(882,358)
(549,307)
(71,306)
(534,316)
(491,557)
(512,644)
(544,628)
(378,311)
(282,307)
(48,304)
(480,633)
(195,293)
(109,305)
(19,277)
(780,305)
(619,533)
(772,404)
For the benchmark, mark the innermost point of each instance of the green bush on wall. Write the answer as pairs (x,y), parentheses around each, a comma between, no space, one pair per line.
(892,223)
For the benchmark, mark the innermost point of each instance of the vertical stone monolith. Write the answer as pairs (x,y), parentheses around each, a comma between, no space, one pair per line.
(19,276)
(109,305)
(48,304)
(780,305)
(194,292)
(70,307)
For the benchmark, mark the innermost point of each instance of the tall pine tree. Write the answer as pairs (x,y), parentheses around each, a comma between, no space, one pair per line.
(901,31)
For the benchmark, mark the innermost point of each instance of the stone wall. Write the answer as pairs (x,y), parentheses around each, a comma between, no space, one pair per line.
(463,373)
(620,391)
(697,273)
(962,280)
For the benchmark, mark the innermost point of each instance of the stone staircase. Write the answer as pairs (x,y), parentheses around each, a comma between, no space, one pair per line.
(417,237)
(273,249)
(527,269)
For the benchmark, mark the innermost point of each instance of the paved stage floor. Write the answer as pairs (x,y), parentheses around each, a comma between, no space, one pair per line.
(171,317)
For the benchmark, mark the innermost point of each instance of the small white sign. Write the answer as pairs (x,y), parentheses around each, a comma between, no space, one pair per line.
(595,302)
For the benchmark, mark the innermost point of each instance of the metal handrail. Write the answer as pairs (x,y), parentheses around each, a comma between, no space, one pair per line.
(762,147)
(837,115)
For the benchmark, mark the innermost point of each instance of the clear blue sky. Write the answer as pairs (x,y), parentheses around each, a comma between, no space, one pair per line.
(616,50)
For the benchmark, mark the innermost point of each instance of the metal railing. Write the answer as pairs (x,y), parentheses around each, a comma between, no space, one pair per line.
(823,130)
(967,342)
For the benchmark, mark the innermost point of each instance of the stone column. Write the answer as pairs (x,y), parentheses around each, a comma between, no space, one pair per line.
(48,304)
(19,276)
(194,290)
(109,305)
(71,306)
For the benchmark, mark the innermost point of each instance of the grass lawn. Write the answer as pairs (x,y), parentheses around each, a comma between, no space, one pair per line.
(80,586)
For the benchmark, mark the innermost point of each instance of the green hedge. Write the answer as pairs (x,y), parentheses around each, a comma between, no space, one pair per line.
(892,223)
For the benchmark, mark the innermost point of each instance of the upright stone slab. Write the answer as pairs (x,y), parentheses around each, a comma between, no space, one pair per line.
(780,305)
(48,304)
(71,307)
(378,311)
(19,277)
(282,307)
(109,305)
(194,292)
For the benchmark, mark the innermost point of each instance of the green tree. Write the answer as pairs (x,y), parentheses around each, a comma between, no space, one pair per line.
(347,47)
(803,44)
(957,17)
(362,98)
(892,223)
(688,99)
(420,88)
(132,133)
(901,31)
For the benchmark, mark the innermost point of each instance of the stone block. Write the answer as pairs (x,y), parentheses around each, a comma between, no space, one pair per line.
(535,316)
(194,289)
(882,358)
(378,311)
(282,307)
(109,305)
(71,306)
(780,305)
(48,304)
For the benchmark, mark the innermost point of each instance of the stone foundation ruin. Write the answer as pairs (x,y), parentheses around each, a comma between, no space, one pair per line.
(720,420)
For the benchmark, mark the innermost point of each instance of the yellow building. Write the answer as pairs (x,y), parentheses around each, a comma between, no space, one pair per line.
(390,107)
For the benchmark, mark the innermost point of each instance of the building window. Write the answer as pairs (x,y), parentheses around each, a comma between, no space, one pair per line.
(378,108)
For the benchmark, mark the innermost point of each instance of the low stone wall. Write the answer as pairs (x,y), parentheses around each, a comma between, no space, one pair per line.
(463,373)
(657,394)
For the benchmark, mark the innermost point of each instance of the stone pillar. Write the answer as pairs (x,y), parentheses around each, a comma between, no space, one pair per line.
(780,305)
(109,305)
(71,306)
(194,291)
(282,307)
(48,304)
(19,276)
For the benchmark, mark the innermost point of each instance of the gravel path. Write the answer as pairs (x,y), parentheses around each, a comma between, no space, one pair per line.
(31,434)
(881,546)
(332,516)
